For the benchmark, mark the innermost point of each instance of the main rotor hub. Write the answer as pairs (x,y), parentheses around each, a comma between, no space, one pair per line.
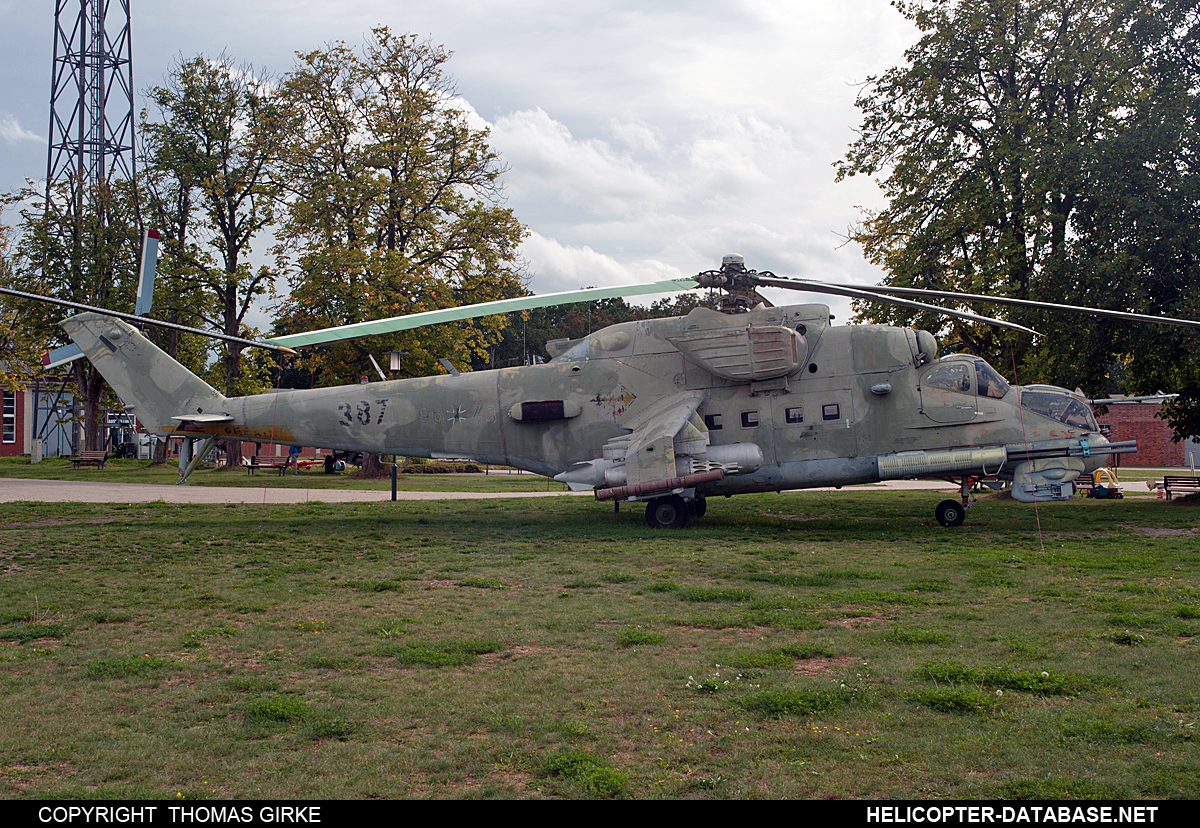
(738,286)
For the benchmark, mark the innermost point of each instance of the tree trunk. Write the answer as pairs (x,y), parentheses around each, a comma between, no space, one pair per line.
(89,384)
(372,468)
(160,452)
(233,370)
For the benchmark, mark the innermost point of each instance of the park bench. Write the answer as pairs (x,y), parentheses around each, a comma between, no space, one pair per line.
(267,462)
(95,458)
(1179,483)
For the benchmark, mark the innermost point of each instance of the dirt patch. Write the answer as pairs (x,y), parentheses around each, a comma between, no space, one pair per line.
(803,518)
(816,666)
(34,524)
(854,622)
(1157,531)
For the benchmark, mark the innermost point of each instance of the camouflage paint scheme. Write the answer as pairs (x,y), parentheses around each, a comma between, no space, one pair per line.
(686,407)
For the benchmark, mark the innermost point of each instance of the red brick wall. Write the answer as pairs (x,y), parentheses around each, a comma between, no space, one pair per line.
(1140,422)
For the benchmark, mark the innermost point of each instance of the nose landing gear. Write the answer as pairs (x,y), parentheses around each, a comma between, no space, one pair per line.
(951,512)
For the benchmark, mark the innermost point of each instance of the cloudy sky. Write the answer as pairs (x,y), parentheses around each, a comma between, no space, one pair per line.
(645,139)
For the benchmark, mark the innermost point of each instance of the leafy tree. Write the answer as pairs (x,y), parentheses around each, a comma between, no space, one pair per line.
(212,154)
(80,246)
(20,348)
(1042,149)
(393,205)
(984,137)
(1137,238)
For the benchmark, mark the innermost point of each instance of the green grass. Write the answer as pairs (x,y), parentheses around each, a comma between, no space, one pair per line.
(785,646)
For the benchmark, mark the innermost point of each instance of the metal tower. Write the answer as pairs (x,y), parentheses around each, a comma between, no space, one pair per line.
(91,99)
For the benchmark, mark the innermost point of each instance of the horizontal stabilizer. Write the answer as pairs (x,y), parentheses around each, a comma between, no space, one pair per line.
(61,356)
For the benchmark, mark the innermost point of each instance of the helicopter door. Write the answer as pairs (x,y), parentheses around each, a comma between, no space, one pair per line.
(948,392)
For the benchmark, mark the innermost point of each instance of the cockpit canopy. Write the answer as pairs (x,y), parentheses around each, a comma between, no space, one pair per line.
(1059,405)
(954,373)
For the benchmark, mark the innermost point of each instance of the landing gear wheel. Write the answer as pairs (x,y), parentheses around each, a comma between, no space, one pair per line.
(951,513)
(699,507)
(670,512)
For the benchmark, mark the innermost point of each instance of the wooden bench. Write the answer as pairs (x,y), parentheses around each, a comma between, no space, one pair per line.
(267,462)
(95,458)
(1180,484)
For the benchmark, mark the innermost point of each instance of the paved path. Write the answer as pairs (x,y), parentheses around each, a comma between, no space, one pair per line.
(72,491)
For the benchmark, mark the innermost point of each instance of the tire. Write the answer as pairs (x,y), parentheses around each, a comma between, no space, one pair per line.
(951,513)
(670,512)
(699,506)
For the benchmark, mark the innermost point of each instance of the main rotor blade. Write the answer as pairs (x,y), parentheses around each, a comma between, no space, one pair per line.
(1029,303)
(418,320)
(129,317)
(871,294)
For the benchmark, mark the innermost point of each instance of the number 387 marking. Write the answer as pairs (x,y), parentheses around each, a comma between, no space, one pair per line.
(361,413)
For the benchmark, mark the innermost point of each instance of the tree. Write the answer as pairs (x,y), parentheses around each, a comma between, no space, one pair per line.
(19,345)
(394,204)
(221,131)
(81,247)
(1043,149)
(1137,236)
(985,137)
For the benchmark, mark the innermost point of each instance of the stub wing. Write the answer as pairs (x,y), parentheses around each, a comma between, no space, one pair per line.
(669,424)
(665,448)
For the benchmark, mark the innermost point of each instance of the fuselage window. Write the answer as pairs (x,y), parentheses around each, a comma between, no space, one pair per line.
(712,422)
(793,415)
(832,411)
(749,419)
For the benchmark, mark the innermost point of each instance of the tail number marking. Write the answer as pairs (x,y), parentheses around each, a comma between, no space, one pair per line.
(362,413)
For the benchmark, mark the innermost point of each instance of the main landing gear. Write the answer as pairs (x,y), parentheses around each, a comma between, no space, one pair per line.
(951,512)
(673,512)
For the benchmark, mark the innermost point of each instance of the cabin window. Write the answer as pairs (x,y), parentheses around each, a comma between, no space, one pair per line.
(712,422)
(793,415)
(749,419)
(832,411)
(10,417)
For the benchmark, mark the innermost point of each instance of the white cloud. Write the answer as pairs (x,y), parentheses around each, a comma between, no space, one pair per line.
(12,132)
(555,267)
(644,140)
(638,136)
(545,156)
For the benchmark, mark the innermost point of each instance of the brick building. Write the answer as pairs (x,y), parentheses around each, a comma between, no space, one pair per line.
(1136,418)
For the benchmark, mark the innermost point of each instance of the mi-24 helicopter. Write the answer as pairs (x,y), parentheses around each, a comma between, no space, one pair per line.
(670,412)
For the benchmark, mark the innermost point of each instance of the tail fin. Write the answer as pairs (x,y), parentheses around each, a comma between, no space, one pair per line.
(159,389)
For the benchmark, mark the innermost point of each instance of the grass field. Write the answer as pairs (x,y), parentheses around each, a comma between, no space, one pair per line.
(807,645)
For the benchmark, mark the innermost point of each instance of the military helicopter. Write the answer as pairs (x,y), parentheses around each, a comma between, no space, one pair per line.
(669,412)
